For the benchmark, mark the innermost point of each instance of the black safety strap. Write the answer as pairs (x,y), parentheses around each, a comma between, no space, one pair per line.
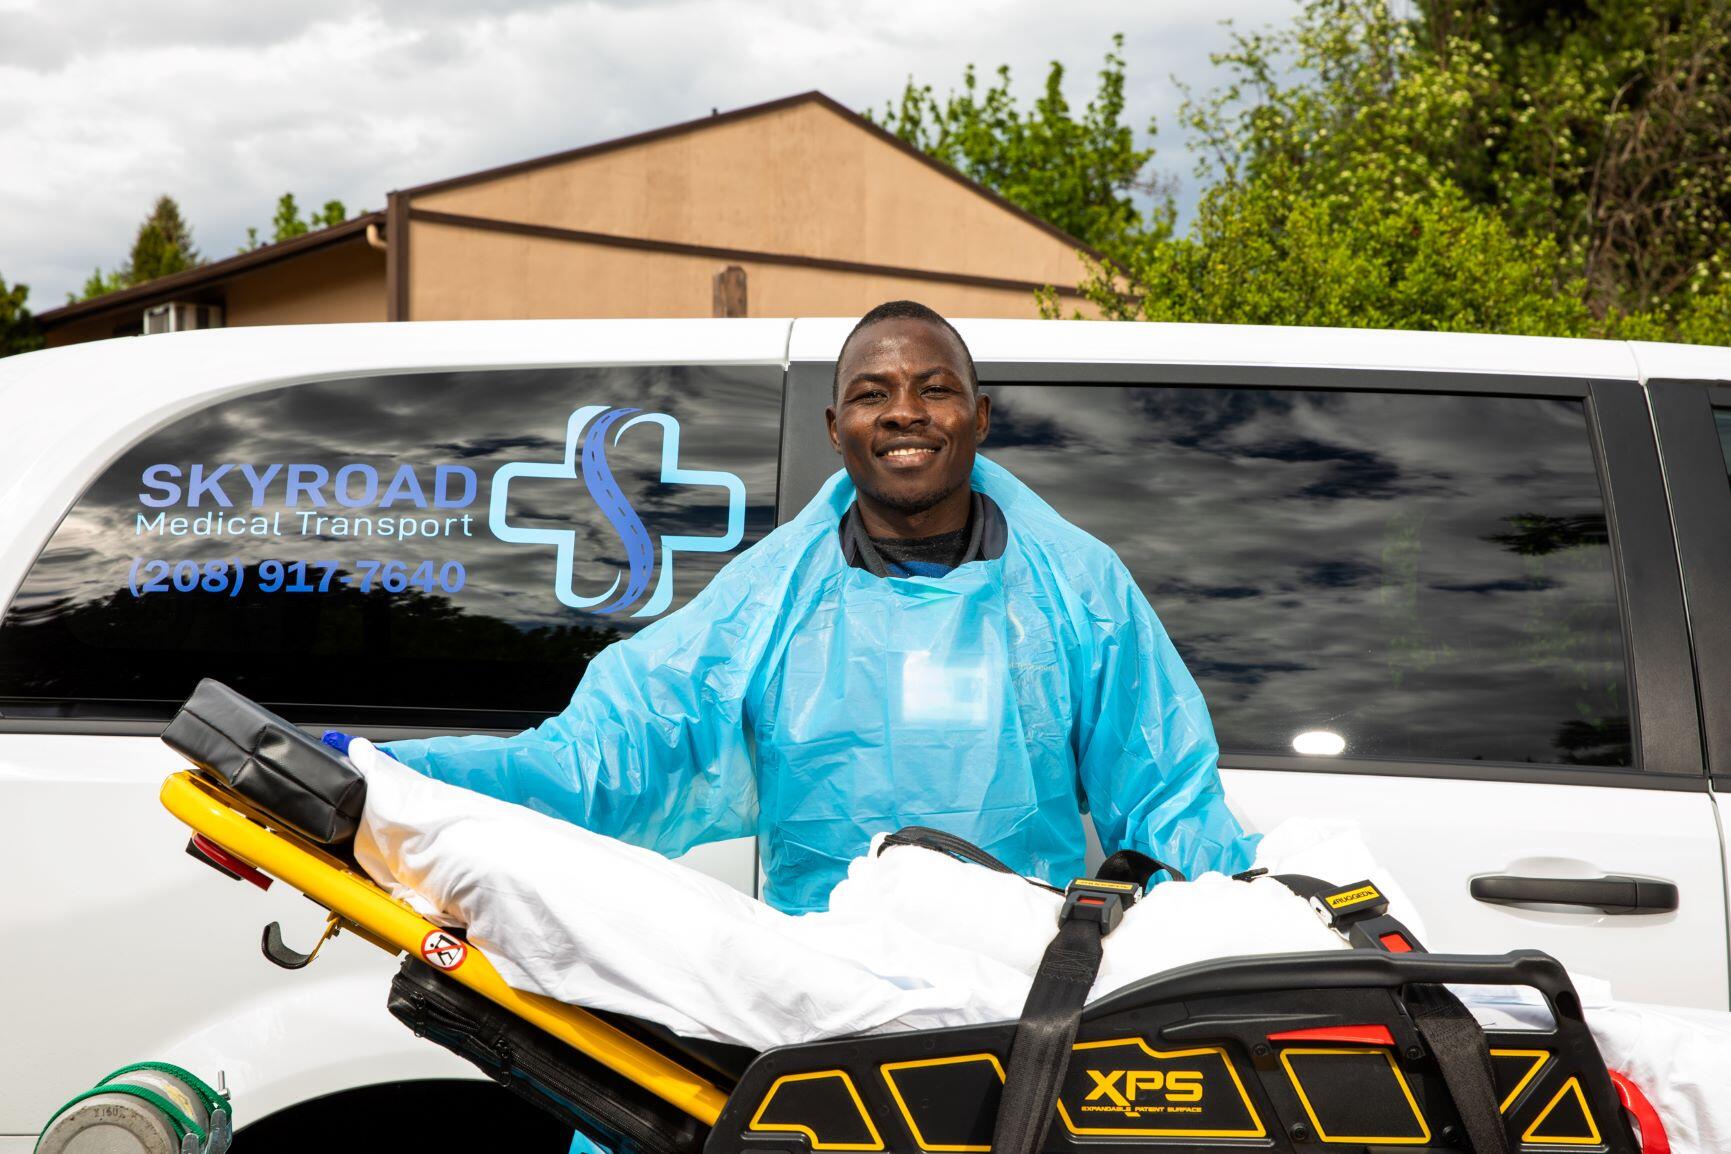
(926,837)
(1040,1053)
(1357,912)
(1129,866)
(1360,913)
(1454,1037)
(1124,866)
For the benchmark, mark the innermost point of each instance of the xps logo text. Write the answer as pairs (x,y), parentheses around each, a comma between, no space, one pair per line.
(1124,1087)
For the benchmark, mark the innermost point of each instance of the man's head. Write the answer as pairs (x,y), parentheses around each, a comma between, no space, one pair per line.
(907,416)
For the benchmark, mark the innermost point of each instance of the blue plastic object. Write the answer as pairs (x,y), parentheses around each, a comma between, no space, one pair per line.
(339,741)
(814,705)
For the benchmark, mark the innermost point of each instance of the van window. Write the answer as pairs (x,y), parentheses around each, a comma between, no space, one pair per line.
(1412,575)
(437,549)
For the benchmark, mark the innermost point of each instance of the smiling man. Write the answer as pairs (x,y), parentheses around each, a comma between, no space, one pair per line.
(926,643)
(907,417)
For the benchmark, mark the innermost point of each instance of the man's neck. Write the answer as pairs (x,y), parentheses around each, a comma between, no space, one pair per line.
(949,515)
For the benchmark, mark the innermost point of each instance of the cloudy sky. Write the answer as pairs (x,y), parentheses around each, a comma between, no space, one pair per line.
(226,105)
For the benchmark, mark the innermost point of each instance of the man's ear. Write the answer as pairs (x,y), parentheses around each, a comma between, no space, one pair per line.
(829,419)
(982,417)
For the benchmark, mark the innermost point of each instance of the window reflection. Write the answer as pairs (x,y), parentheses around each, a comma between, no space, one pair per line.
(1422,575)
(480,629)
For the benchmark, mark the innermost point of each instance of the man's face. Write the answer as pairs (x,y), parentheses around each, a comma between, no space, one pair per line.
(907,419)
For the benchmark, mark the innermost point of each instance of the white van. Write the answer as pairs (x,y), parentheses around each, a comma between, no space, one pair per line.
(1473,593)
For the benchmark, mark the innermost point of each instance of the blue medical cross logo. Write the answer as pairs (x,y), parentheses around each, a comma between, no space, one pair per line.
(586,442)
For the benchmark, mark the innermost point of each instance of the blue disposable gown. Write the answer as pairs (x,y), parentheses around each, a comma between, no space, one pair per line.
(814,705)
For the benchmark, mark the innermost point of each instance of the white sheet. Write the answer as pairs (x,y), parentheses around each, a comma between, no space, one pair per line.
(912,940)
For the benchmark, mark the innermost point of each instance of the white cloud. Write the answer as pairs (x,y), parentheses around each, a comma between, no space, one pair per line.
(226,106)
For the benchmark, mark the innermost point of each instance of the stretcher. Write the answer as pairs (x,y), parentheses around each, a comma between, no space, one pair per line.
(1290,1053)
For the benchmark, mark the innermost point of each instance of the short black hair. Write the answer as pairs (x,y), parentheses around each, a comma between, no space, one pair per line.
(903,310)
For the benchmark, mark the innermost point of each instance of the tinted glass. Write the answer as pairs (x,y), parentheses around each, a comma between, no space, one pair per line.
(1423,576)
(390,548)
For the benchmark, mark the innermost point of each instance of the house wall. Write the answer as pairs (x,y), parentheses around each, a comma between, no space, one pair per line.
(345,282)
(799,181)
(334,285)
(462,274)
(774,191)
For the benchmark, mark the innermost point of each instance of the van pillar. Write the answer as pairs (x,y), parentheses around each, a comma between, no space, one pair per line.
(397,257)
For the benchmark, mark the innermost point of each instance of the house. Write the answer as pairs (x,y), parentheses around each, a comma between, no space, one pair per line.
(795,207)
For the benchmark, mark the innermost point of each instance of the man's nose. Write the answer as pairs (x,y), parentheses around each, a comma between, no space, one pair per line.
(905,408)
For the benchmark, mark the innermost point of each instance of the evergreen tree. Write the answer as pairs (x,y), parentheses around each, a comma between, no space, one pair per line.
(163,245)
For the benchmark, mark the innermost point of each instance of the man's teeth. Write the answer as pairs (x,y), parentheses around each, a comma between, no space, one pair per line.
(907,452)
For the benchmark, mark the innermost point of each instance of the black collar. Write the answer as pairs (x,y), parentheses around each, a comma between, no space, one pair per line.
(987,535)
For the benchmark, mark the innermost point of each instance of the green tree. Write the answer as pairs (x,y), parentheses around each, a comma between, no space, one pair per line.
(1327,202)
(163,245)
(1605,124)
(99,283)
(19,332)
(332,215)
(287,222)
(1082,174)
(1446,164)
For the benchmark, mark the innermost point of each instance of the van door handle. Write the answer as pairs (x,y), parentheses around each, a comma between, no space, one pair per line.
(1612,895)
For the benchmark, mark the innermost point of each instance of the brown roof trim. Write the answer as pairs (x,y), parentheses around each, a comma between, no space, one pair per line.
(645,244)
(166,287)
(812,97)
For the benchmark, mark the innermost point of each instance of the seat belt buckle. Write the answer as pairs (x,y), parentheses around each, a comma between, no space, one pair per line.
(1359,913)
(1347,905)
(1096,900)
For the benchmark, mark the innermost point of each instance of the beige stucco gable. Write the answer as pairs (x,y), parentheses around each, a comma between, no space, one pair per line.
(803,178)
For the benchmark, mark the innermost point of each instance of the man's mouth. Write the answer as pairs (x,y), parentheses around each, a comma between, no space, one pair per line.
(909,454)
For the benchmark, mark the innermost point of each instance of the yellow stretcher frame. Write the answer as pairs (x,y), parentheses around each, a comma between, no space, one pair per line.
(360,906)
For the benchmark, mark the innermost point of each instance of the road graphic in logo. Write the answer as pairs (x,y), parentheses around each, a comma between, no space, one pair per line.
(586,442)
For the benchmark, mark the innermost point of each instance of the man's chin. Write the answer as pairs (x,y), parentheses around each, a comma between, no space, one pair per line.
(908,501)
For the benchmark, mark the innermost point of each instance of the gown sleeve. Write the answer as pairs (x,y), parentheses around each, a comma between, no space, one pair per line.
(1146,749)
(652,748)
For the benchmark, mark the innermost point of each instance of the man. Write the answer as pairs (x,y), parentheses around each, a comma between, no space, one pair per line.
(927,643)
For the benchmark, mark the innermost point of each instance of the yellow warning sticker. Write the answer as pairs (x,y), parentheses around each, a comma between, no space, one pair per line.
(1097,884)
(1352,897)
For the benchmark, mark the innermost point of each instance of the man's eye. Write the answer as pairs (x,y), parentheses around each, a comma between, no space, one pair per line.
(938,390)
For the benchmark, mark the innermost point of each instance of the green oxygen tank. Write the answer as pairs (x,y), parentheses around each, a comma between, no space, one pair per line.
(144,1108)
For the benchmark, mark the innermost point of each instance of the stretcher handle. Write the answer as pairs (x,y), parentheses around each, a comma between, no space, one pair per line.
(1349,969)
